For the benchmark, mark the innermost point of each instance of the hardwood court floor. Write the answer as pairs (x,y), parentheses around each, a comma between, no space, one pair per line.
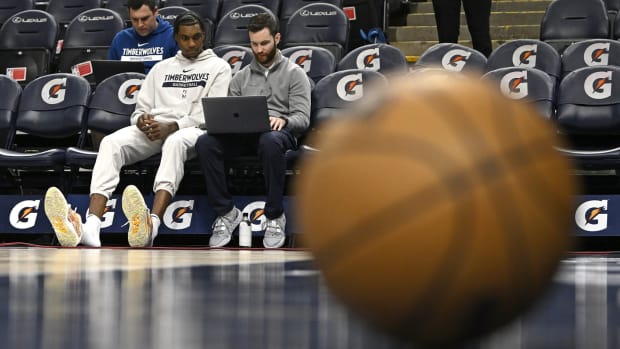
(198,298)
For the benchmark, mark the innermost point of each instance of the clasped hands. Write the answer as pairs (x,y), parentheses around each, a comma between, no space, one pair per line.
(153,129)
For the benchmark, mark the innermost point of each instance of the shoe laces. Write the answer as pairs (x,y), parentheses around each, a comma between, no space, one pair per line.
(272,228)
(219,226)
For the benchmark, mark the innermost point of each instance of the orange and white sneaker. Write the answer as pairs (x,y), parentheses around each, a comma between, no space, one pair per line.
(67,223)
(140,225)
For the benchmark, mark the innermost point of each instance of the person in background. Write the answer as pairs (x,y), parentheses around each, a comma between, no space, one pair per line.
(168,120)
(288,100)
(478,14)
(149,40)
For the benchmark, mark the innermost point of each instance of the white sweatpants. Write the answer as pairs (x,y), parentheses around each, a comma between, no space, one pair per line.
(130,145)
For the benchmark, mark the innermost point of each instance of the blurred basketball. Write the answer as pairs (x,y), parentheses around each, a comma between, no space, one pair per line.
(439,210)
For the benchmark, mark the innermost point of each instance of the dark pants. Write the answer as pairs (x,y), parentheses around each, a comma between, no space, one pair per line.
(271,146)
(477,12)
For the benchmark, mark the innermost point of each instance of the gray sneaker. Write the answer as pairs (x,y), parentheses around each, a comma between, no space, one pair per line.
(274,232)
(223,228)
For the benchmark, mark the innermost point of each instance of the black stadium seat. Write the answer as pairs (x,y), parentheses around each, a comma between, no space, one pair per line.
(593,52)
(289,7)
(10,7)
(27,40)
(170,13)
(568,21)
(452,57)
(229,5)
(64,11)
(384,58)
(237,56)
(319,24)
(88,37)
(11,91)
(527,53)
(207,9)
(233,26)
(588,112)
(528,84)
(317,62)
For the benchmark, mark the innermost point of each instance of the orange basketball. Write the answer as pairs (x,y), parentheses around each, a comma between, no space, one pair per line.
(439,210)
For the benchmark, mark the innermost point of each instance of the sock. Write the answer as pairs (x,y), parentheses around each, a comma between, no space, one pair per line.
(156,223)
(91,230)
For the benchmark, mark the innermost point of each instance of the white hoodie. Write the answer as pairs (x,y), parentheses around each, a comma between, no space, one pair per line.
(174,88)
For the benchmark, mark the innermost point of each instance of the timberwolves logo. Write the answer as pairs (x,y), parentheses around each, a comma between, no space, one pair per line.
(598,85)
(178,215)
(302,58)
(128,92)
(455,60)
(369,59)
(24,214)
(350,87)
(256,213)
(592,215)
(53,91)
(597,54)
(235,59)
(108,214)
(514,84)
(525,56)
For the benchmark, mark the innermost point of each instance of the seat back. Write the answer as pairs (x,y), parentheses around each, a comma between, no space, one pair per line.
(88,37)
(233,26)
(11,92)
(568,21)
(229,5)
(64,11)
(170,13)
(526,53)
(207,9)
(237,56)
(27,41)
(593,52)
(528,84)
(383,58)
(291,6)
(10,7)
(452,57)
(319,24)
(317,62)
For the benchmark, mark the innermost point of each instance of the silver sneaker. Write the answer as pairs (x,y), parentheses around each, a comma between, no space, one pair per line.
(140,225)
(223,228)
(274,232)
(67,223)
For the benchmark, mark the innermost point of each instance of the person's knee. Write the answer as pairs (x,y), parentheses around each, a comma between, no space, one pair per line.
(205,143)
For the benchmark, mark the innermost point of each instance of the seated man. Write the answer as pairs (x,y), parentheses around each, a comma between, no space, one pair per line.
(150,39)
(167,119)
(288,97)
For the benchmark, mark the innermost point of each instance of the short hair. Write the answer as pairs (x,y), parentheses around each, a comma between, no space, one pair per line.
(188,18)
(136,4)
(261,21)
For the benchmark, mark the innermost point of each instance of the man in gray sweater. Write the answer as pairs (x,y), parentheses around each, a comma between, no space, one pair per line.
(287,89)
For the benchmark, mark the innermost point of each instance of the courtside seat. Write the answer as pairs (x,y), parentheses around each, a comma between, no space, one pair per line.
(10,7)
(568,21)
(289,7)
(27,41)
(237,56)
(233,26)
(318,24)
(170,14)
(384,58)
(588,112)
(11,92)
(229,5)
(64,11)
(51,113)
(207,9)
(593,52)
(317,62)
(88,37)
(527,84)
(527,53)
(452,57)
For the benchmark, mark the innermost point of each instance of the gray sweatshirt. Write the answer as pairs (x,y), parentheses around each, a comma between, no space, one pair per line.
(286,87)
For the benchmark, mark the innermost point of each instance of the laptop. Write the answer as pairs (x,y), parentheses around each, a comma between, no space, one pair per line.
(103,69)
(236,114)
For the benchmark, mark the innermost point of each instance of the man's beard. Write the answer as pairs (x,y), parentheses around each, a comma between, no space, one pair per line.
(266,59)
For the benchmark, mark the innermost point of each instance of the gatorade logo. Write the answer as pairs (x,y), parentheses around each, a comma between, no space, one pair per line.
(455,60)
(597,54)
(128,91)
(53,92)
(108,213)
(24,214)
(302,58)
(256,214)
(178,215)
(592,215)
(514,84)
(350,87)
(598,85)
(525,56)
(235,60)
(369,59)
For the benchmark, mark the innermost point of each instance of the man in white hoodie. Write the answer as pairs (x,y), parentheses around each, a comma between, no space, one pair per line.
(166,120)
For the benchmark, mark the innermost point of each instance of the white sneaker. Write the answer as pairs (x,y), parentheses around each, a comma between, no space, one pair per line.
(67,223)
(274,232)
(223,227)
(139,218)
